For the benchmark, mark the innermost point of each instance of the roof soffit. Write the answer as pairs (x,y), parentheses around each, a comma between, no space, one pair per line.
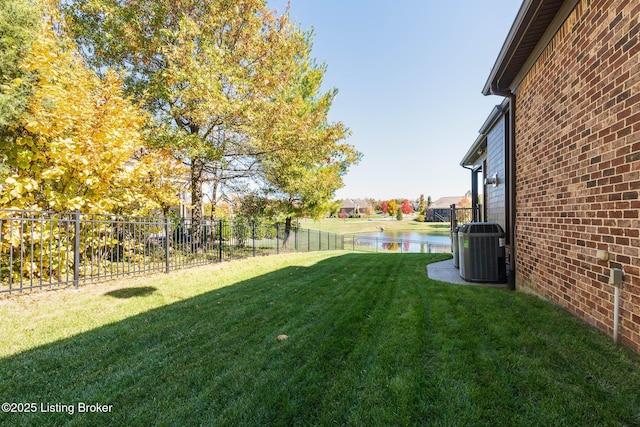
(474,157)
(532,24)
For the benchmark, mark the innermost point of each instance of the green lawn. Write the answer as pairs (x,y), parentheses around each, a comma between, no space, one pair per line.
(371,341)
(372,223)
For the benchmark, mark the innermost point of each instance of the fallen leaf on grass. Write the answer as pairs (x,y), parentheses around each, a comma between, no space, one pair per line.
(282,337)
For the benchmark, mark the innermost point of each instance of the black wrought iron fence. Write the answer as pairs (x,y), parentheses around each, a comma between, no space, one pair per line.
(48,249)
(459,216)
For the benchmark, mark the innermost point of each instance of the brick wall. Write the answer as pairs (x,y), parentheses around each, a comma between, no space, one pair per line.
(578,166)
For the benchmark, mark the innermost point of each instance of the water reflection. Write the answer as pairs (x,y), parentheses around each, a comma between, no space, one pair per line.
(408,241)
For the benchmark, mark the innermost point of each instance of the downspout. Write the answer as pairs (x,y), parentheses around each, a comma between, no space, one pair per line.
(511,181)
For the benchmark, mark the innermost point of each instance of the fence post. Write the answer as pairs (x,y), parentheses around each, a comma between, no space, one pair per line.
(253,237)
(277,238)
(76,250)
(167,231)
(453,216)
(220,225)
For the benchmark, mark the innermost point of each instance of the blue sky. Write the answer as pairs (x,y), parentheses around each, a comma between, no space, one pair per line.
(409,75)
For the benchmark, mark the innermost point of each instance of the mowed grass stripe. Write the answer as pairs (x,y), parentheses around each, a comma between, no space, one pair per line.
(505,359)
(372,341)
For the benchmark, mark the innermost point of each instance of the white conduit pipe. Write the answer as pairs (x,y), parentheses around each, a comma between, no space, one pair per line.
(616,315)
(616,279)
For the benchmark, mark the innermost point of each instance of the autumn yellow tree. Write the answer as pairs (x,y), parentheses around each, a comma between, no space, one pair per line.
(464,202)
(18,24)
(79,146)
(392,207)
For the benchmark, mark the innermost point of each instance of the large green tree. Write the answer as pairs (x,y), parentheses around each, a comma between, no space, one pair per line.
(209,72)
(307,171)
(231,89)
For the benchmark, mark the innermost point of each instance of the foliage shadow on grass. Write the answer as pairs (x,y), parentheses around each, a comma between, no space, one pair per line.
(124,293)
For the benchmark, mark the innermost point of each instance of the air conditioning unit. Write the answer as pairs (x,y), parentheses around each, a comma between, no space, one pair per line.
(481,252)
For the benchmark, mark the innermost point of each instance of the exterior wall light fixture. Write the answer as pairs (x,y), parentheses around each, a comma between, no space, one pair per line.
(492,180)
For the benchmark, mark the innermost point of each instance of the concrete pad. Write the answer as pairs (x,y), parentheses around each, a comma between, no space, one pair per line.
(444,271)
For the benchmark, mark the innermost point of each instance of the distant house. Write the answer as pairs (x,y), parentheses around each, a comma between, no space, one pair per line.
(184,208)
(440,209)
(353,207)
(559,159)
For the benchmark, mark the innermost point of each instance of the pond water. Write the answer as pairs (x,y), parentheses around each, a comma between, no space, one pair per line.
(403,241)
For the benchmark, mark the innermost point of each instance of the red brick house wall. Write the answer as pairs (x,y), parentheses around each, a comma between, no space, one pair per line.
(578,166)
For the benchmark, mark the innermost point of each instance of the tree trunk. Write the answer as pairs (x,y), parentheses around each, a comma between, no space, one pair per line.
(214,194)
(214,202)
(287,231)
(197,168)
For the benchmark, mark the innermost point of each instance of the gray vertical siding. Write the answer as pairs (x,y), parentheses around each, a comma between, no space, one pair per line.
(495,196)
